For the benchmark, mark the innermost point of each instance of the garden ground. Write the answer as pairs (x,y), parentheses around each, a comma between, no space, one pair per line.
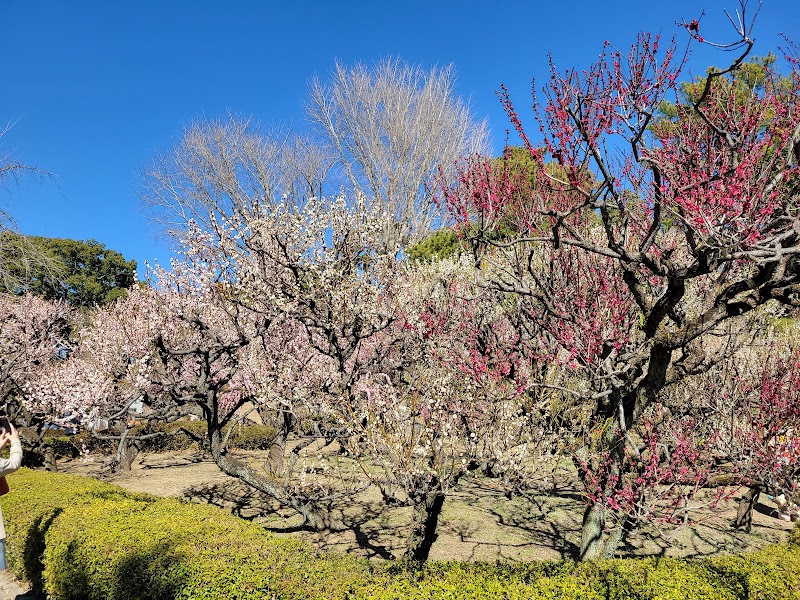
(11,589)
(478,523)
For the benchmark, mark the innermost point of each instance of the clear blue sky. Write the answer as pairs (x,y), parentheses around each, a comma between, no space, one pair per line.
(97,88)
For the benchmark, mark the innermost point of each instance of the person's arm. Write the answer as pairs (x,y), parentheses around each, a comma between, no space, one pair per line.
(14,460)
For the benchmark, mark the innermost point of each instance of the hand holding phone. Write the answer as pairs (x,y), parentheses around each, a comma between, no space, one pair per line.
(4,424)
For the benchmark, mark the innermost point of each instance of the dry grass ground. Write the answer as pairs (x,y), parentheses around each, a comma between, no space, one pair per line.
(478,523)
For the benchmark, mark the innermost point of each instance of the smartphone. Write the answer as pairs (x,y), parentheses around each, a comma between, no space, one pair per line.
(4,425)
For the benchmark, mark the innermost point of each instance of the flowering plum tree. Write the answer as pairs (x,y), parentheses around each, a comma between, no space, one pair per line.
(444,398)
(752,403)
(34,338)
(33,334)
(642,235)
(367,352)
(110,369)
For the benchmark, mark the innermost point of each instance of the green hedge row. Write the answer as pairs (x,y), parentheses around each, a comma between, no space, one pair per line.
(248,437)
(79,538)
(76,537)
(243,437)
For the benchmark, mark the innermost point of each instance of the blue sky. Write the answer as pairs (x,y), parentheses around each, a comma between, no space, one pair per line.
(96,88)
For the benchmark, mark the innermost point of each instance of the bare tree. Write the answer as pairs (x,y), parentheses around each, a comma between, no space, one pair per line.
(17,253)
(225,172)
(306,163)
(394,126)
(12,167)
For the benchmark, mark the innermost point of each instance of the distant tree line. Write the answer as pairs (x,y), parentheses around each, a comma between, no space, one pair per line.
(81,273)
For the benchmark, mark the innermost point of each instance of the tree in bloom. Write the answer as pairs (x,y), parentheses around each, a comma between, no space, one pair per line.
(269,316)
(642,236)
(110,369)
(443,397)
(351,346)
(34,339)
(752,403)
(34,334)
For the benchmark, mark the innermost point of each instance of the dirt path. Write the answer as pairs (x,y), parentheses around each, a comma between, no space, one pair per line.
(11,589)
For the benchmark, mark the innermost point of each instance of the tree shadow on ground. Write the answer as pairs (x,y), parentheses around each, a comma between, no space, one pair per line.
(365,520)
(371,521)
(770,511)
(237,497)
(481,522)
(181,462)
(532,524)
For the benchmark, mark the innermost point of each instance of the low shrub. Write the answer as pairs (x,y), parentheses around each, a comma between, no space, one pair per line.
(175,438)
(252,437)
(36,500)
(78,538)
(243,437)
(70,445)
(62,446)
(75,537)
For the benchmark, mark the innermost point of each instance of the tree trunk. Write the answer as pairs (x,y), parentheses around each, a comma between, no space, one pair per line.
(744,514)
(597,542)
(127,451)
(50,460)
(593,532)
(128,455)
(424,521)
(277,449)
(313,518)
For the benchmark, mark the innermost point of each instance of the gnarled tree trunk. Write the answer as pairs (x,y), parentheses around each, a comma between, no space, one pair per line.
(313,518)
(277,449)
(744,513)
(593,532)
(427,506)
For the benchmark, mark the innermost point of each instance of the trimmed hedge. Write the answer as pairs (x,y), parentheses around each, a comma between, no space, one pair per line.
(247,437)
(78,538)
(243,437)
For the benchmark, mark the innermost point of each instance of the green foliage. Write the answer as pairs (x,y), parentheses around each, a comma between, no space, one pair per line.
(86,273)
(518,162)
(175,439)
(243,437)
(62,445)
(663,579)
(79,539)
(251,437)
(97,541)
(749,78)
(70,445)
(35,501)
(439,245)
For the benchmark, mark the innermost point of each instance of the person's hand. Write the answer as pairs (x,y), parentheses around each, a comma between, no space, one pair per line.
(5,437)
(13,435)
